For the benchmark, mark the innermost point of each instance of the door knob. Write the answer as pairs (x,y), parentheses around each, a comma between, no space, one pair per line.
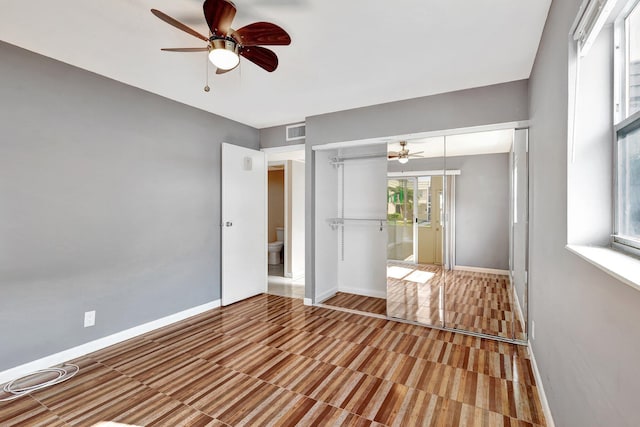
(228,224)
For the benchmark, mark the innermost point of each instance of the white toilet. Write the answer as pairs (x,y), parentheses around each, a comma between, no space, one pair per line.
(276,247)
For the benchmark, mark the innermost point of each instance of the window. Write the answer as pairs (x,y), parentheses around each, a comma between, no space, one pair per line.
(627,228)
(626,233)
(632,61)
(424,200)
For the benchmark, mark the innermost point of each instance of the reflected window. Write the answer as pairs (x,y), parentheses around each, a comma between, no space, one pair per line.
(424,200)
(399,201)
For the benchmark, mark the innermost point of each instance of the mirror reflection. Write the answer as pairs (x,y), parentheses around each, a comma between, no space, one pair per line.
(456,252)
(415,242)
(431,230)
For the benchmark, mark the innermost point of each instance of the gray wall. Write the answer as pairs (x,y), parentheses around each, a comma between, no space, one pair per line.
(587,339)
(276,137)
(465,108)
(481,205)
(109,201)
(501,103)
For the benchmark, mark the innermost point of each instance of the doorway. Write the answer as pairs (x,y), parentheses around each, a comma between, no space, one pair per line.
(286,220)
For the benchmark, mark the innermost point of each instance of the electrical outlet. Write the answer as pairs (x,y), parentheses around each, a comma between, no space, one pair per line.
(533,329)
(89,318)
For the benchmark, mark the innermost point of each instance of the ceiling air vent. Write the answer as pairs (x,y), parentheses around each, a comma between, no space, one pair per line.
(295,132)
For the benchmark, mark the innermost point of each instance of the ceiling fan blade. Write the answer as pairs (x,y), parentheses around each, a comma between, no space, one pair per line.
(417,152)
(261,33)
(219,14)
(260,56)
(185,49)
(179,25)
(393,155)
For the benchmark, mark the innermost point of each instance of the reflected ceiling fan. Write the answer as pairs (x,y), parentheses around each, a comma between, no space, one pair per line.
(403,155)
(225,45)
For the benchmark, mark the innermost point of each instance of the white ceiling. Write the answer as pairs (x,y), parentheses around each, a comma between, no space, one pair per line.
(466,144)
(345,54)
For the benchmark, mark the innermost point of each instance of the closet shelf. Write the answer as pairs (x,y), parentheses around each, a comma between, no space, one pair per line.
(334,223)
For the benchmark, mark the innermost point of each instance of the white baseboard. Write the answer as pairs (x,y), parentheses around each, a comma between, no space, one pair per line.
(297,275)
(348,310)
(543,397)
(519,309)
(100,343)
(364,292)
(517,301)
(326,295)
(307,301)
(481,270)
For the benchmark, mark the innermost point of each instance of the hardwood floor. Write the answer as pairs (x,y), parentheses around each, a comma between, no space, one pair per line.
(358,302)
(270,360)
(477,302)
(482,302)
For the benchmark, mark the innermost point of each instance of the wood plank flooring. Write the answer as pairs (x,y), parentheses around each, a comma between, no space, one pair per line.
(358,302)
(477,302)
(482,302)
(270,360)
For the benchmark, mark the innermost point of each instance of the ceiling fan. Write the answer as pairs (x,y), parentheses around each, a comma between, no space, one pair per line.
(403,155)
(225,45)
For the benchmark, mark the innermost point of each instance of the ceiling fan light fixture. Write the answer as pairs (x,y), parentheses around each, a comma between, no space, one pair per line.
(403,160)
(224,54)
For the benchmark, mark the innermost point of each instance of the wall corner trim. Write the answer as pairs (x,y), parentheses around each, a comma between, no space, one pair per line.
(543,397)
(100,343)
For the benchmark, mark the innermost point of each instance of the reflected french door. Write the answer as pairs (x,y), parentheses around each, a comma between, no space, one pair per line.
(401,217)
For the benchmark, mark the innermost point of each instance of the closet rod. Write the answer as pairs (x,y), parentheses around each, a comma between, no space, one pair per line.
(337,222)
(338,160)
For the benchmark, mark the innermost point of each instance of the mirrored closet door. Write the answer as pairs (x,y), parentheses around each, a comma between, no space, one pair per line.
(416,200)
(457,233)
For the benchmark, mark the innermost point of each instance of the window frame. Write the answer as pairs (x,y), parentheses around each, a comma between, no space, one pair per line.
(621,242)
(623,123)
(620,63)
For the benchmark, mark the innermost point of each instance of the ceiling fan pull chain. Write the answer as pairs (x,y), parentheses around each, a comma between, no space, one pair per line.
(207,88)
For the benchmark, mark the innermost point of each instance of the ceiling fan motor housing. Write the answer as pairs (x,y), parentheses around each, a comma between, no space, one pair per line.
(225,43)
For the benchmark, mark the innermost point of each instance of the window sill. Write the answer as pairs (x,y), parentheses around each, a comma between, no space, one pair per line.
(623,267)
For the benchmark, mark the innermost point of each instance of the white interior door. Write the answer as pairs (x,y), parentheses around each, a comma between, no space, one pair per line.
(244,223)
